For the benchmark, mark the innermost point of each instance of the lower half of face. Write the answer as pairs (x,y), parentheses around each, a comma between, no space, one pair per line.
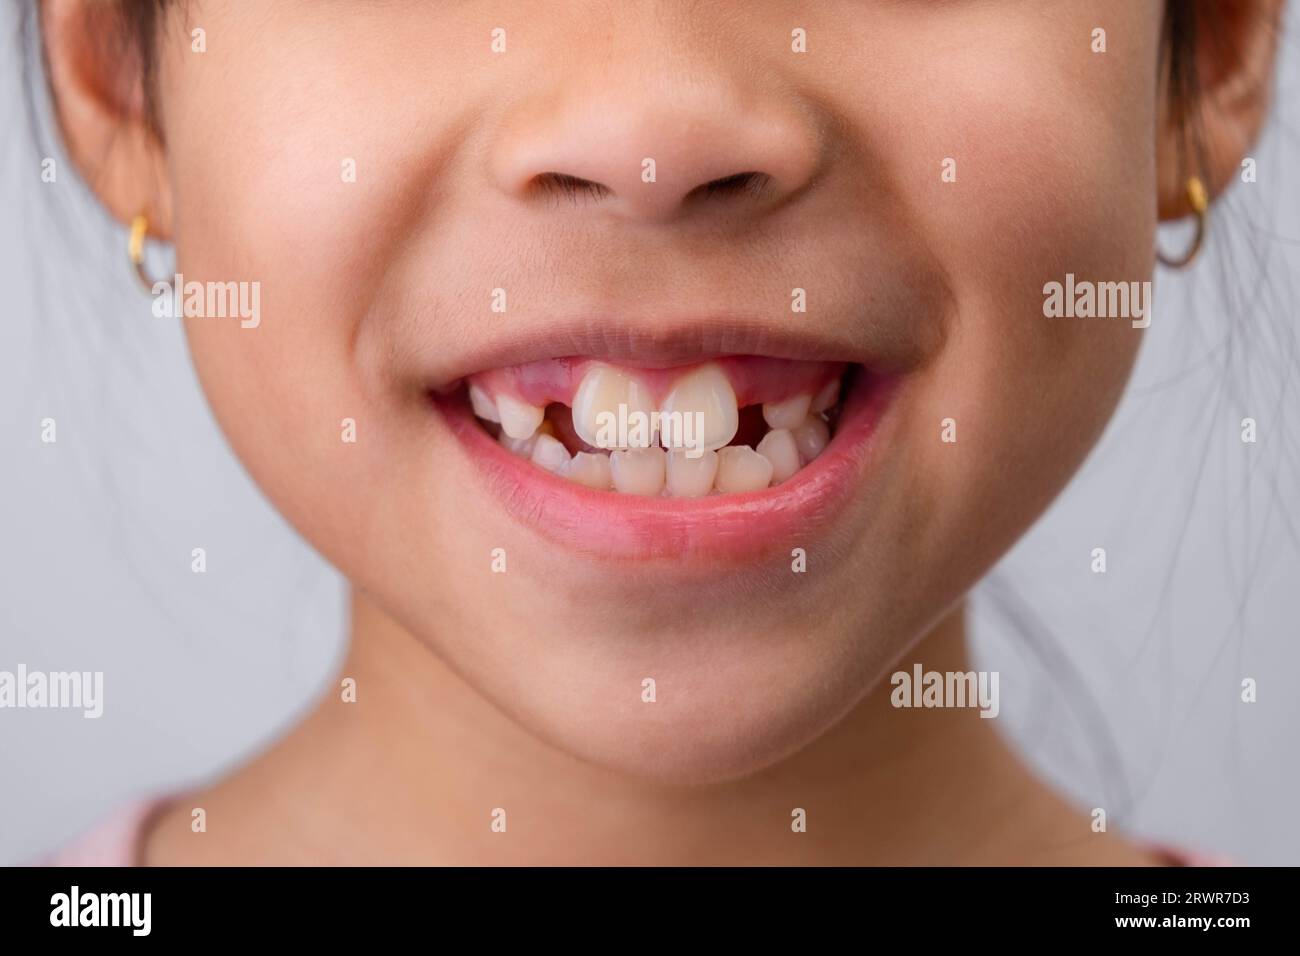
(615,346)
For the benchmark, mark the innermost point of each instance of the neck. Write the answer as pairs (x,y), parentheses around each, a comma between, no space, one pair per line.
(414,770)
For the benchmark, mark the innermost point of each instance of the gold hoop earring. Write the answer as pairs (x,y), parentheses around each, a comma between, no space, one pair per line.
(135,250)
(1201,207)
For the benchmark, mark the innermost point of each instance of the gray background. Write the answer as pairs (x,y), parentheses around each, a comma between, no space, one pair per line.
(1124,687)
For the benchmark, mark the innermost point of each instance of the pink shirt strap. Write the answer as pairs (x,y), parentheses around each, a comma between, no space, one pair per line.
(115,841)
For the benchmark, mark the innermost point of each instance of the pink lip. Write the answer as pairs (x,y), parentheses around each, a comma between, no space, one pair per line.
(732,528)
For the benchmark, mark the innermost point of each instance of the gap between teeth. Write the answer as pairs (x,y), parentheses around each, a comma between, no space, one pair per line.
(798,433)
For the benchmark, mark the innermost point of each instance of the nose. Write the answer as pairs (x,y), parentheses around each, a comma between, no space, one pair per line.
(657,149)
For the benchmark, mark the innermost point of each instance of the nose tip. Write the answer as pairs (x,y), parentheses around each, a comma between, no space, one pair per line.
(658,160)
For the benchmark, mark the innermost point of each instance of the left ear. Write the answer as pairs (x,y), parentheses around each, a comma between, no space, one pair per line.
(1233,56)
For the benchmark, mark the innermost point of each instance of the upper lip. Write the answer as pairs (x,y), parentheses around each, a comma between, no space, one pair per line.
(665,342)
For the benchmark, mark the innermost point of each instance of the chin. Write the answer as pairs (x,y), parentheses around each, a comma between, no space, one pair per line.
(691,702)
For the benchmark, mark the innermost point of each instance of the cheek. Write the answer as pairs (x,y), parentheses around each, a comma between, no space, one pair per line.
(1051,177)
(265,192)
(1058,185)
(1046,186)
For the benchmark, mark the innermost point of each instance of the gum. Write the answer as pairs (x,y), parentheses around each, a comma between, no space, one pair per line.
(755,379)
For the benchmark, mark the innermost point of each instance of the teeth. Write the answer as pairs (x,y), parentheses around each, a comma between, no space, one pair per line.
(523,447)
(788,413)
(778,446)
(590,469)
(482,403)
(706,390)
(811,437)
(691,477)
(826,398)
(696,421)
(518,419)
(742,469)
(638,471)
(550,453)
(603,390)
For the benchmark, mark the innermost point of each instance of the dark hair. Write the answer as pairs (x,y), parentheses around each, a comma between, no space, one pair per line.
(1183,22)
(140,28)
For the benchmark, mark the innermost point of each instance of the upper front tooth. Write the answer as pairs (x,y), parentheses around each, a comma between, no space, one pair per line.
(828,396)
(787,413)
(703,396)
(596,409)
(484,407)
(638,471)
(518,418)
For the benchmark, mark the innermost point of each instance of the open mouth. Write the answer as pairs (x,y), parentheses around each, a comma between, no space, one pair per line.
(723,457)
(728,426)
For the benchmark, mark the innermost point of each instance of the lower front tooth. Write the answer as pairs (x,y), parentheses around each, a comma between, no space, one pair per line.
(638,471)
(523,447)
(691,477)
(518,419)
(778,446)
(590,469)
(811,437)
(742,469)
(550,453)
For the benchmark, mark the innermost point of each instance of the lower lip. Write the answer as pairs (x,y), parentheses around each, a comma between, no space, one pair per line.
(735,528)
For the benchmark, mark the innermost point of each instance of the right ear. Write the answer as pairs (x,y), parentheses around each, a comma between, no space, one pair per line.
(97,77)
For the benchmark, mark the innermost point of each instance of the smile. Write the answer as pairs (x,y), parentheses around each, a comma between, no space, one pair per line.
(730,457)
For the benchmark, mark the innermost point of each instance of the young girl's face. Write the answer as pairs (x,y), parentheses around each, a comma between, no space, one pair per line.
(762,198)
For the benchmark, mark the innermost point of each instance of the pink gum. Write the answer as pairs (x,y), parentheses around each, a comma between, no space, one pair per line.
(755,379)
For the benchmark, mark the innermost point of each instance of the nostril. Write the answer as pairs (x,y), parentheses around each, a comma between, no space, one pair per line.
(569,187)
(751,184)
(576,189)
